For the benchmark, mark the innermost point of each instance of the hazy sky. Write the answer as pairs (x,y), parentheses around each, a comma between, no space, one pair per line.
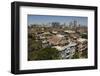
(44,19)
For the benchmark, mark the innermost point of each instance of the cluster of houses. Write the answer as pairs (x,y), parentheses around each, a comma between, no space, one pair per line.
(67,42)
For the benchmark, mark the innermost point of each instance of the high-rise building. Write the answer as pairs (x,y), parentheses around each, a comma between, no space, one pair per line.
(75,23)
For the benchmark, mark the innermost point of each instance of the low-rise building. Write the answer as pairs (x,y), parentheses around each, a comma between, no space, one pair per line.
(67,51)
(82,46)
(57,40)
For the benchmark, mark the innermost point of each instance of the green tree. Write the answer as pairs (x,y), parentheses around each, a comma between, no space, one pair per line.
(76,55)
(84,36)
(33,45)
(44,54)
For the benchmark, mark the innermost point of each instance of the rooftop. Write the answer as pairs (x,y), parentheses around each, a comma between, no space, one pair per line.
(82,39)
(60,48)
(69,31)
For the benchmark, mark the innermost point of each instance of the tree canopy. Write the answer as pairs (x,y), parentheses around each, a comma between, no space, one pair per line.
(44,54)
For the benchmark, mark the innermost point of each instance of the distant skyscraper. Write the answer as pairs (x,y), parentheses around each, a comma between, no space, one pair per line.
(70,24)
(79,25)
(75,23)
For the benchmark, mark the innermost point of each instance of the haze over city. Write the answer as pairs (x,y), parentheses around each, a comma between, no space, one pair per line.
(46,19)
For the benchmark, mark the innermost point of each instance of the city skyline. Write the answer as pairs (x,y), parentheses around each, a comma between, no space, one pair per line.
(45,19)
